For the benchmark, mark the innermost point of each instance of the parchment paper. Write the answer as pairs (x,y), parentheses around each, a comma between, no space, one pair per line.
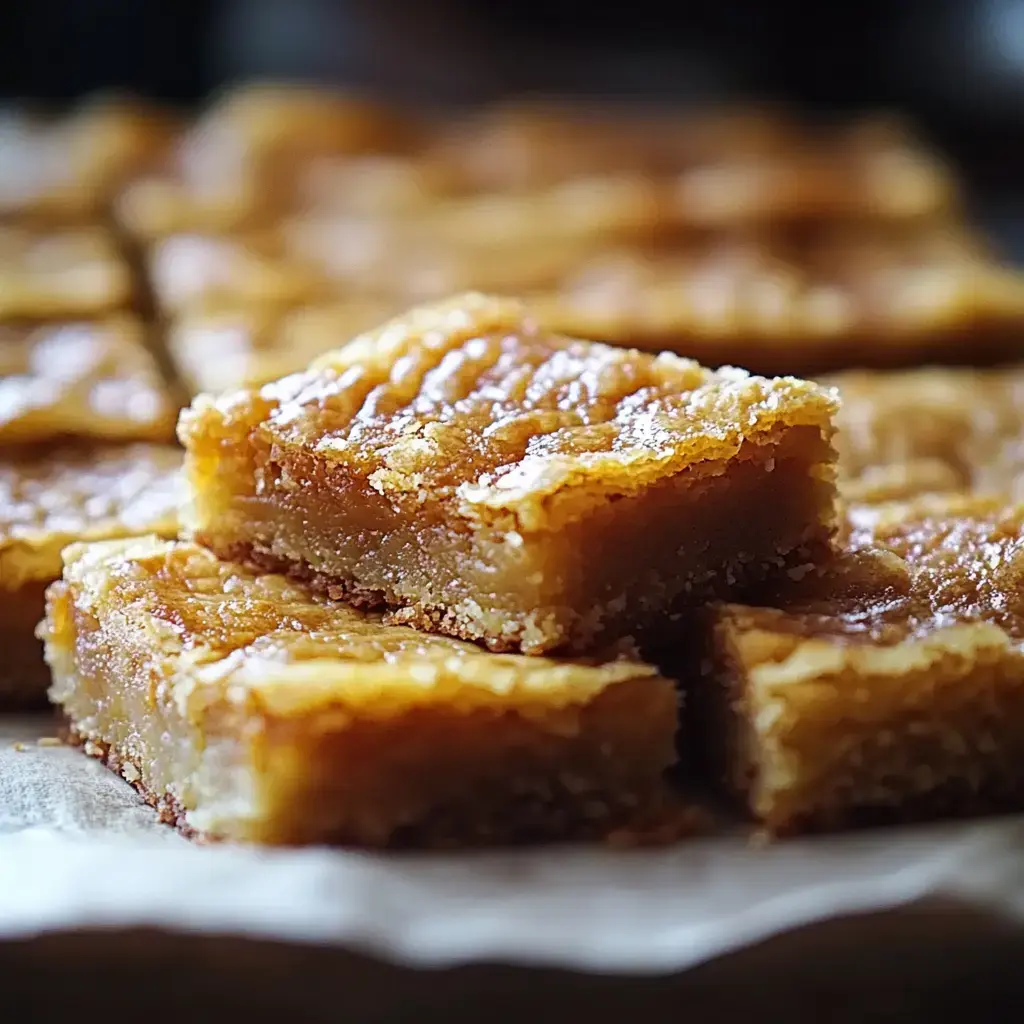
(79,850)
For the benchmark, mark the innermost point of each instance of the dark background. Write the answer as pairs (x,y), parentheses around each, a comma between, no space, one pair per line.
(955,66)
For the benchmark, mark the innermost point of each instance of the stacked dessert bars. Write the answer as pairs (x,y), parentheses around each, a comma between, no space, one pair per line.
(465,577)
(422,577)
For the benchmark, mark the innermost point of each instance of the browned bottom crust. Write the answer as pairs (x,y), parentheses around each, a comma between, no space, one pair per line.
(169,811)
(659,822)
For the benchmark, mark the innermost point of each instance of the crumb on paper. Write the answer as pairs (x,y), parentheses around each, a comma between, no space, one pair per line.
(18,746)
(48,741)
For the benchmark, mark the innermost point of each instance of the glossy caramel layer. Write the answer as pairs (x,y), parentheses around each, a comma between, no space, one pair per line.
(281,718)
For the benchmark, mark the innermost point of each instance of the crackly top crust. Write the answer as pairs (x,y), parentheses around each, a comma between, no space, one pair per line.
(810,293)
(74,272)
(83,379)
(904,571)
(249,346)
(930,430)
(469,400)
(51,500)
(263,638)
(66,169)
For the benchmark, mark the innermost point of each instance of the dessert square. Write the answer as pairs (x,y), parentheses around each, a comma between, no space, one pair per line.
(61,274)
(249,346)
(931,430)
(194,274)
(371,185)
(50,500)
(325,259)
(65,170)
(85,380)
(523,147)
(593,208)
(887,685)
(487,479)
(806,302)
(236,166)
(872,170)
(244,708)
(723,169)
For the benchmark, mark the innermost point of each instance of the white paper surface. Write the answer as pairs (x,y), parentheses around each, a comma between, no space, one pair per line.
(79,850)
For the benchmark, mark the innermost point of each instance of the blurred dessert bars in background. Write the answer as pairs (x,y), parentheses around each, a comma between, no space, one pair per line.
(51,273)
(58,170)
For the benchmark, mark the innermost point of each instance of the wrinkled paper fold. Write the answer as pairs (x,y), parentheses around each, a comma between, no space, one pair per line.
(79,850)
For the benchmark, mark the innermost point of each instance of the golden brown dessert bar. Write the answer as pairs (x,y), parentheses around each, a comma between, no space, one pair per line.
(85,380)
(726,170)
(913,432)
(48,275)
(244,708)
(822,300)
(249,346)
(592,208)
(316,261)
(375,184)
(885,685)
(211,273)
(872,170)
(288,121)
(521,147)
(487,479)
(66,170)
(48,500)
(236,166)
